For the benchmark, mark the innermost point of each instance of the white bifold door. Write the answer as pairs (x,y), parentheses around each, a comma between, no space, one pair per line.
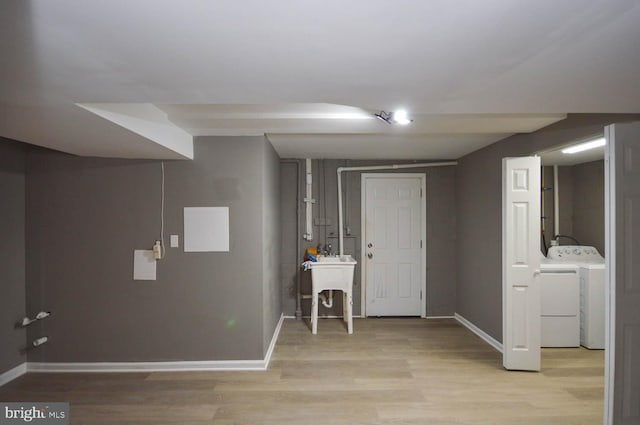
(622,253)
(521,263)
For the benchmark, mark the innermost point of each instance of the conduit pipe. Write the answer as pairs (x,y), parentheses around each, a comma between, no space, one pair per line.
(308,234)
(556,202)
(371,168)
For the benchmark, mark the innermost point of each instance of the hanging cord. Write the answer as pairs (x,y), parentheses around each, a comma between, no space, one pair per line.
(324,201)
(557,238)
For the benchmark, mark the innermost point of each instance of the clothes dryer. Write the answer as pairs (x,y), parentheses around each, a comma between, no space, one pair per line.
(592,290)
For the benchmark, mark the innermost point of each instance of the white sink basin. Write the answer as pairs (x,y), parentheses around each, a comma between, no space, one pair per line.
(339,259)
(333,273)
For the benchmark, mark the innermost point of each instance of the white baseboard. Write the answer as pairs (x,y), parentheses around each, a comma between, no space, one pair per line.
(482,334)
(324,317)
(440,317)
(12,374)
(178,366)
(274,339)
(148,366)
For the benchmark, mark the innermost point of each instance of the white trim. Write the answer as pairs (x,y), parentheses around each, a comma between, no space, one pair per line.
(610,280)
(324,317)
(423,231)
(440,317)
(274,339)
(482,334)
(12,374)
(178,366)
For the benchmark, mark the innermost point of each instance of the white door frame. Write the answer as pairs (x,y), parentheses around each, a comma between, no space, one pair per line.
(610,280)
(423,236)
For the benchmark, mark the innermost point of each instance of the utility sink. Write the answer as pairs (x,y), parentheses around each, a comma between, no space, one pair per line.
(333,273)
(337,259)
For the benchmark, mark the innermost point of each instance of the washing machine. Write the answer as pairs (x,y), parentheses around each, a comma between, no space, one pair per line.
(559,303)
(592,290)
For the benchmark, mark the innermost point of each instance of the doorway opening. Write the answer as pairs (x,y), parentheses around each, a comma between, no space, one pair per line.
(554,286)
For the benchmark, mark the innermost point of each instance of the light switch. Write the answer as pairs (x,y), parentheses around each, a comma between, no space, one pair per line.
(175,241)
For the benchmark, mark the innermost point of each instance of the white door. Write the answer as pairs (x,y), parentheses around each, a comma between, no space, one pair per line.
(393,244)
(622,210)
(521,263)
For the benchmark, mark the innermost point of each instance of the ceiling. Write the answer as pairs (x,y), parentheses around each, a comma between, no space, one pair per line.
(555,156)
(140,79)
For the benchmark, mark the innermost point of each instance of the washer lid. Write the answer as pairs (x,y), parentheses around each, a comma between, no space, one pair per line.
(547,266)
(575,254)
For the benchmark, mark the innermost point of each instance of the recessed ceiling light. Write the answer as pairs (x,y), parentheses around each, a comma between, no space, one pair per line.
(592,144)
(401,117)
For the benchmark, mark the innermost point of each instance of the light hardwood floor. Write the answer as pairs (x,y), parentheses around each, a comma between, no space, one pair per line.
(390,371)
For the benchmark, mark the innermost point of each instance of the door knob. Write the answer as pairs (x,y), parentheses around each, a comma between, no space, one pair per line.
(370,255)
(370,245)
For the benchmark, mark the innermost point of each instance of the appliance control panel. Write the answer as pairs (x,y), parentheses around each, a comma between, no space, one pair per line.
(575,253)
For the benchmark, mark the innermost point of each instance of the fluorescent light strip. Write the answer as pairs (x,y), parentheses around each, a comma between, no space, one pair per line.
(585,146)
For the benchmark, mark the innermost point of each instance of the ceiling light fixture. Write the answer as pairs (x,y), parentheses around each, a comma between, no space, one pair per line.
(592,144)
(398,117)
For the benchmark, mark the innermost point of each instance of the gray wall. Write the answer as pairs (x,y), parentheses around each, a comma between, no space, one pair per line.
(479,212)
(290,259)
(546,206)
(588,204)
(271,243)
(581,196)
(12,254)
(441,230)
(565,197)
(85,216)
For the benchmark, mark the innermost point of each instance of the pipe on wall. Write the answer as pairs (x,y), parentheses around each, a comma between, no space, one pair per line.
(308,199)
(556,202)
(372,168)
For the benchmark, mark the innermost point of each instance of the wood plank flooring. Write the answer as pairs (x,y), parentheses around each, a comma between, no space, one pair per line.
(390,371)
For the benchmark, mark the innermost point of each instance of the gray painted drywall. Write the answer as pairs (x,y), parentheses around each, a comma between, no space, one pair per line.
(581,196)
(479,212)
(565,196)
(290,259)
(271,243)
(12,254)
(441,230)
(588,204)
(85,216)
(546,206)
